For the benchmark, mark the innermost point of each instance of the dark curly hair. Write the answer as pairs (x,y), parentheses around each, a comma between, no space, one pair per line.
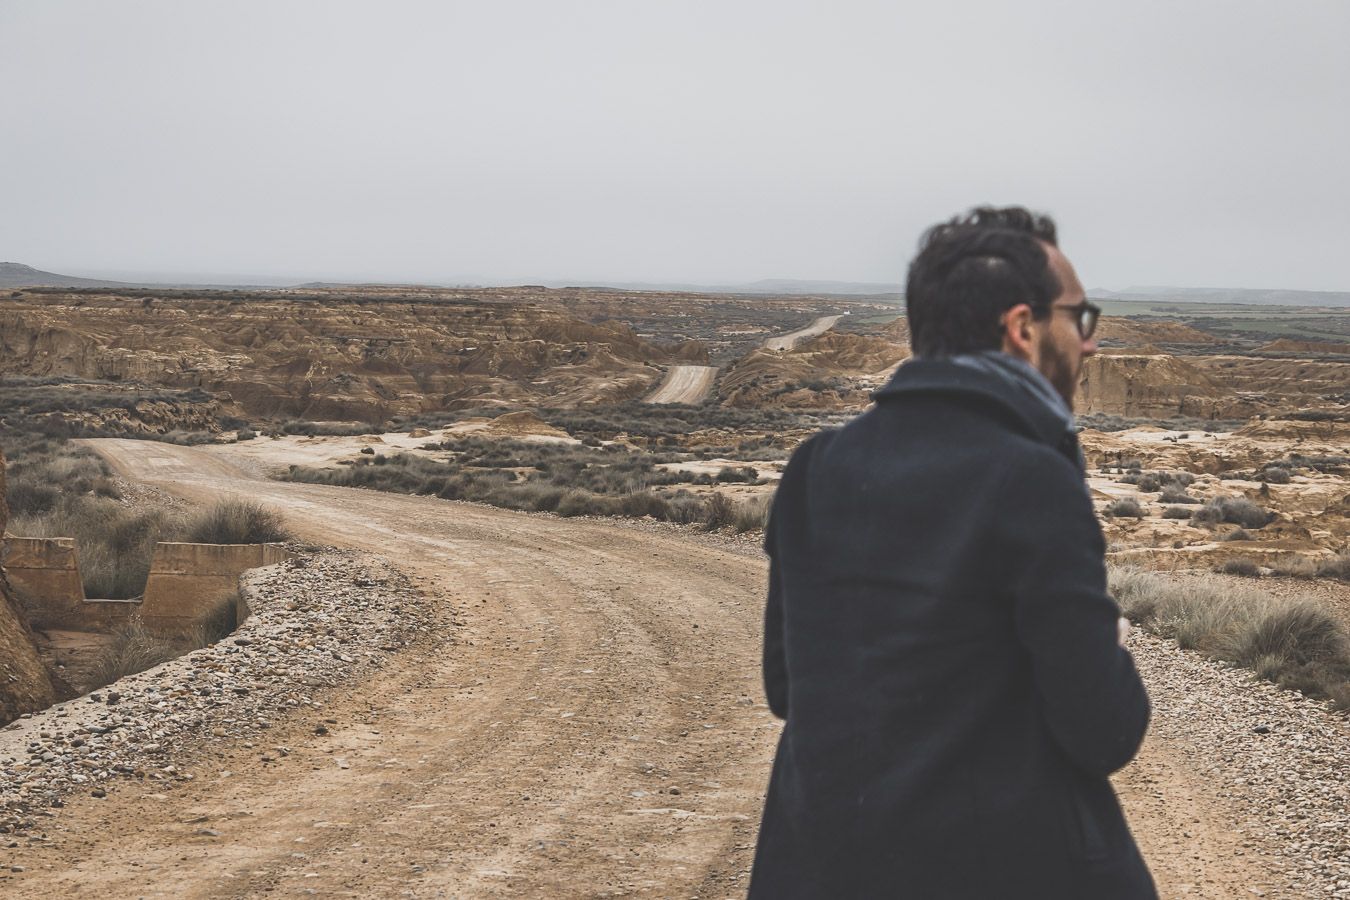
(970,270)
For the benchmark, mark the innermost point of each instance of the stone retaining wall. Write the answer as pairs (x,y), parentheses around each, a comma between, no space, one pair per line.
(187,583)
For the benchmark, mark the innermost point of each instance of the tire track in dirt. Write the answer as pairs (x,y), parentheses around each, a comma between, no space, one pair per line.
(587,721)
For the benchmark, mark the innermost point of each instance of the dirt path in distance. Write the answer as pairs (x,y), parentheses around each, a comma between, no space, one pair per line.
(684,384)
(792,338)
(587,723)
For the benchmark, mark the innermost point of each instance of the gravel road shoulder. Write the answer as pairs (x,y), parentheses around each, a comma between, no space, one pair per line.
(318,622)
(1271,764)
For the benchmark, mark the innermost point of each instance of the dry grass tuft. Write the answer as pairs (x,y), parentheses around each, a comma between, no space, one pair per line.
(1295,643)
(237,522)
(133,649)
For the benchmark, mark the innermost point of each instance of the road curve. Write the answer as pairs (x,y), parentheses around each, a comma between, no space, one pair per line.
(793,338)
(684,384)
(593,727)
(586,721)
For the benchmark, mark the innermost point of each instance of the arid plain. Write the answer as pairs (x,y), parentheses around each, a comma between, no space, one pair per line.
(515,653)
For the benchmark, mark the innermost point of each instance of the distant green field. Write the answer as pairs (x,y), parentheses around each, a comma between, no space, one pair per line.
(1238,321)
(1179,310)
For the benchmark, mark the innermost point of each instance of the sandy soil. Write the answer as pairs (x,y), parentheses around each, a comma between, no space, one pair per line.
(587,722)
(791,339)
(326,450)
(684,384)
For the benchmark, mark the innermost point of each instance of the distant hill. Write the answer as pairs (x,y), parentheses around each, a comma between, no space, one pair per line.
(763,286)
(1228,295)
(16,275)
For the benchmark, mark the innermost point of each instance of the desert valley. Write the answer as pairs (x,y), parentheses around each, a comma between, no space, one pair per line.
(500,632)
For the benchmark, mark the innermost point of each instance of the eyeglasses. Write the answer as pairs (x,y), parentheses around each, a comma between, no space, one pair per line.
(1086,313)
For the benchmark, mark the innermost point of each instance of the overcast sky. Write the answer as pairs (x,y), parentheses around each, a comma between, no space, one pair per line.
(1182,143)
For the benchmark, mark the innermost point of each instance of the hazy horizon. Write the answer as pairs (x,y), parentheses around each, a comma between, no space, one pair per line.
(1197,145)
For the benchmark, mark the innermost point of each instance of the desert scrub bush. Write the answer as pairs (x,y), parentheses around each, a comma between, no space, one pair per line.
(1233,510)
(684,509)
(132,649)
(564,479)
(752,514)
(1149,483)
(28,498)
(1295,643)
(718,512)
(1326,464)
(1176,512)
(1175,493)
(1243,567)
(1237,535)
(1298,567)
(327,429)
(187,438)
(735,474)
(639,420)
(1337,567)
(41,471)
(220,622)
(237,522)
(245,434)
(580,503)
(1123,509)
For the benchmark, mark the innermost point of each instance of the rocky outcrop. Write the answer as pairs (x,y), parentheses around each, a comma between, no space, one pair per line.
(1287,345)
(832,370)
(1146,386)
(24,683)
(344,357)
(1119,331)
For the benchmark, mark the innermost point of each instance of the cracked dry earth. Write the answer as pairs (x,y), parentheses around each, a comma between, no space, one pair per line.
(583,719)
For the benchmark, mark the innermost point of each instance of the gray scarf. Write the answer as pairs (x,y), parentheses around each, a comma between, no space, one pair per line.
(1021,375)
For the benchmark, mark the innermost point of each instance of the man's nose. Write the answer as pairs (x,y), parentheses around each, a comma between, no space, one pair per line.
(1089,346)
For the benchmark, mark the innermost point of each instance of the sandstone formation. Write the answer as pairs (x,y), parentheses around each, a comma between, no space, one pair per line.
(833,370)
(1138,385)
(523,425)
(1279,385)
(1117,331)
(338,358)
(24,684)
(1287,345)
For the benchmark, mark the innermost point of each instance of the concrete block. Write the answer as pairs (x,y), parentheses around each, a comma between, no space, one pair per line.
(189,582)
(45,575)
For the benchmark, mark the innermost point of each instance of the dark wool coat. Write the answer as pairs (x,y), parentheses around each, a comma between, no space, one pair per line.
(941,644)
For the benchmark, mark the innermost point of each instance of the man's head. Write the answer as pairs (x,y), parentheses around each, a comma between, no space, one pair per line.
(994,279)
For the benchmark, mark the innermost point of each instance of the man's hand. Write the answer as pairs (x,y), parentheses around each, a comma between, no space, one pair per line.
(1122,630)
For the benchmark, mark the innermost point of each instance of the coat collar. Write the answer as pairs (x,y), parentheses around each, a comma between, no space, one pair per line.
(940,376)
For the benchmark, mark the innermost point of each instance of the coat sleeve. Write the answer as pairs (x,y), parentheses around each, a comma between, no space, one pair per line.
(788,514)
(1093,699)
(775,659)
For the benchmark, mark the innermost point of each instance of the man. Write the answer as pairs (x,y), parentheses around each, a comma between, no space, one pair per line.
(939,638)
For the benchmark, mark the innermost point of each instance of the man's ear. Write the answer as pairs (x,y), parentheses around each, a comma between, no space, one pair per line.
(1018,338)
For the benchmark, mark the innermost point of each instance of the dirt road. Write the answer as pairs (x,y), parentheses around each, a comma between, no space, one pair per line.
(792,338)
(586,722)
(684,384)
